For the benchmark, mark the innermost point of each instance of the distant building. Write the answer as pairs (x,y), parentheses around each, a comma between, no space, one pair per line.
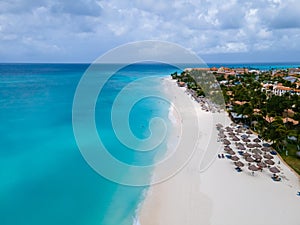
(281,90)
(290,120)
(241,71)
(288,113)
(223,70)
(254,71)
(197,69)
(267,87)
(294,71)
(279,74)
(256,111)
(290,79)
(284,120)
(240,103)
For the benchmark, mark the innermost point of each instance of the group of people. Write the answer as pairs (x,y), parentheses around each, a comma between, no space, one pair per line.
(221,156)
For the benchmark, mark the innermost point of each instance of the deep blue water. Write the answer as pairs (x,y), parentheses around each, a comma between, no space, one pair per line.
(43,177)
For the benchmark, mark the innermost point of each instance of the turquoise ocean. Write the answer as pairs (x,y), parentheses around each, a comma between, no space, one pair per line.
(44,179)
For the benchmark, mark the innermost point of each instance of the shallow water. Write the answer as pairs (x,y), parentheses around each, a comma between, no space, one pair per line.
(43,177)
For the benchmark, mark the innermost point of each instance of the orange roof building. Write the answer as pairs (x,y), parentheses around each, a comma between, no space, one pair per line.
(290,120)
(281,90)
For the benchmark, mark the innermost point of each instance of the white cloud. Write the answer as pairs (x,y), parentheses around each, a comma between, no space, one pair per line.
(82,30)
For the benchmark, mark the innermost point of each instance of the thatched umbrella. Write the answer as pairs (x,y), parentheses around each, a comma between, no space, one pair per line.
(253,168)
(250,145)
(248,132)
(274,170)
(231,152)
(219,125)
(261,165)
(239,164)
(256,151)
(239,143)
(256,140)
(226,142)
(235,158)
(257,156)
(269,162)
(241,147)
(239,130)
(226,148)
(246,140)
(266,149)
(249,159)
(235,138)
(231,133)
(221,135)
(268,156)
(256,145)
(246,154)
(229,129)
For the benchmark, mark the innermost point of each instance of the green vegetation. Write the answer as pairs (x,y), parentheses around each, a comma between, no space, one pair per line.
(201,84)
(291,158)
(275,118)
(190,82)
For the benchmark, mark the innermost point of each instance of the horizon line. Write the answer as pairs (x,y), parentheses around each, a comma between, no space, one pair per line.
(246,62)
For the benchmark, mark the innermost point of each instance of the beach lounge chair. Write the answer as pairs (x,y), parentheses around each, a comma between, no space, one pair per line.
(273,152)
(276,178)
(228,156)
(238,169)
(241,152)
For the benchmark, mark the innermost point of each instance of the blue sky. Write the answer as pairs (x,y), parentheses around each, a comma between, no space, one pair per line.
(216,30)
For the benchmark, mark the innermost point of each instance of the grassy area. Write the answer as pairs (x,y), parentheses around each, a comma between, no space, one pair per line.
(292,159)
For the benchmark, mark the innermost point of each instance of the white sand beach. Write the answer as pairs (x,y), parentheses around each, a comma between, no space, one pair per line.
(219,195)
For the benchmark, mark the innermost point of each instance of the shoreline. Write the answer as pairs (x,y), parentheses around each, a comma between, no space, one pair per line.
(195,196)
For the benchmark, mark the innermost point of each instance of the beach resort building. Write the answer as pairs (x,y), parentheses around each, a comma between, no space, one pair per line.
(279,89)
(294,71)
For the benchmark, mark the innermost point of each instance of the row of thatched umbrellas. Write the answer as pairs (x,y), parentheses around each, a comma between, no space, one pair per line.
(246,140)
(252,158)
(258,167)
(256,157)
